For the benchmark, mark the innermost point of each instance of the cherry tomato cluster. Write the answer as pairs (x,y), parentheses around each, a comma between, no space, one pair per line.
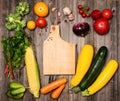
(101,24)
(84,10)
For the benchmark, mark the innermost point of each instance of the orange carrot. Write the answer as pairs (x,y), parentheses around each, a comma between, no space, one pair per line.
(56,93)
(53,85)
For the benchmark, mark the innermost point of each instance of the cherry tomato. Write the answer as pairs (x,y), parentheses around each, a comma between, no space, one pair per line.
(41,22)
(83,15)
(31,25)
(87,8)
(81,11)
(80,7)
(107,13)
(88,14)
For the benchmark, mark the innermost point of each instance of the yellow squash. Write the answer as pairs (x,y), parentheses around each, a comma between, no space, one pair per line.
(32,72)
(83,64)
(104,77)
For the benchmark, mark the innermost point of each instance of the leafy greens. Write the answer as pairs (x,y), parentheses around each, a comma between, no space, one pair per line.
(14,46)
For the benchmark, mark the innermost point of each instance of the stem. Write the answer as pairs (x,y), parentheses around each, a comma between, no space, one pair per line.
(85,93)
(11,70)
(6,69)
(77,89)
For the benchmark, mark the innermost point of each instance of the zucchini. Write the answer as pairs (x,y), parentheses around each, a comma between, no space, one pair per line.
(83,64)
(104,77)
(94,71)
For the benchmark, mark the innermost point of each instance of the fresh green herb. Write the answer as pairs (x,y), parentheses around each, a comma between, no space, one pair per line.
(14,49)
(14,22)
(23,8)
(7,50)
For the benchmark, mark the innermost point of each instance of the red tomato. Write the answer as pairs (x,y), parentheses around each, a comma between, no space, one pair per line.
(81,11)
(96,14)
(80,7)
(107,13)
(41,22)
(101,26)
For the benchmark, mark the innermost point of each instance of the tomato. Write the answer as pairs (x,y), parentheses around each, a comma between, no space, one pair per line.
(81,11)
(41,22)
(101,26)
(95,14)
(41,9)
(31,25)
(80,7)
(107,13)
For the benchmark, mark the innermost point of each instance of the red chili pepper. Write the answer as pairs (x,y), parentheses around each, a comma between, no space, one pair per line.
(6,69)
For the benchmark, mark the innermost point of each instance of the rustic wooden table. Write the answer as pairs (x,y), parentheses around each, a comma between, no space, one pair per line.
(111,92)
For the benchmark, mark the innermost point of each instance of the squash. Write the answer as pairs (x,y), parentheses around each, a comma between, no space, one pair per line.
(94,71)
(83,64)
(104,77)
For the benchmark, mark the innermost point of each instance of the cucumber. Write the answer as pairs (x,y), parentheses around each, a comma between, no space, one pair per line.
(17,91)
(94,71)
(15,85)
(18,96)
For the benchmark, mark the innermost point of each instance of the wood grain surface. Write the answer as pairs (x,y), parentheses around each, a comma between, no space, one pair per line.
(111,92)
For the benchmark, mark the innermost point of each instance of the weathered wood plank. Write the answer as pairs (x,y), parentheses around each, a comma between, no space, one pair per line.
(64,31)
(3,79)
(118,50)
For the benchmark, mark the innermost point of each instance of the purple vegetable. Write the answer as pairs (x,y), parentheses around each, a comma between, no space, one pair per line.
(81,29)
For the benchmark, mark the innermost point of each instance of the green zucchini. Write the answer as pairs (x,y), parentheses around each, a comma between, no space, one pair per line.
(95,69)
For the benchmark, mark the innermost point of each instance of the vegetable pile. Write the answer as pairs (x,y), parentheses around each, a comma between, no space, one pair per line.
(84,10)
(56,86)
(14,46)
(17,49)
(14,51)
(101,24)
(40,9)
(14,20)
(16,90)
(91,77)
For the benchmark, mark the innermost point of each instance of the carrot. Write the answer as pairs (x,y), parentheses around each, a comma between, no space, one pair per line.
(53,85)
(56,93)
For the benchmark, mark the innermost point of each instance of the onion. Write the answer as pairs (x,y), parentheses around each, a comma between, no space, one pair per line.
(81,29)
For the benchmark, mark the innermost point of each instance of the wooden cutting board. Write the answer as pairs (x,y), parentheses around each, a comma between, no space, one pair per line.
(58,55)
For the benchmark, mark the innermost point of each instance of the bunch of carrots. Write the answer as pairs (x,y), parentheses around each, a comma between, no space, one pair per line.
(56,87)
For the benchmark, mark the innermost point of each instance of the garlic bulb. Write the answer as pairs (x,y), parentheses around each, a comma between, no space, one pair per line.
(67,11)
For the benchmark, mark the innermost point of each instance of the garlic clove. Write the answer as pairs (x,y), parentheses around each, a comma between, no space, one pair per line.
(54,9)
(67,11)
(71,17)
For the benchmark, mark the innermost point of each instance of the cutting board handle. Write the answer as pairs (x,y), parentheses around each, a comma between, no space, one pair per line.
(54,31)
